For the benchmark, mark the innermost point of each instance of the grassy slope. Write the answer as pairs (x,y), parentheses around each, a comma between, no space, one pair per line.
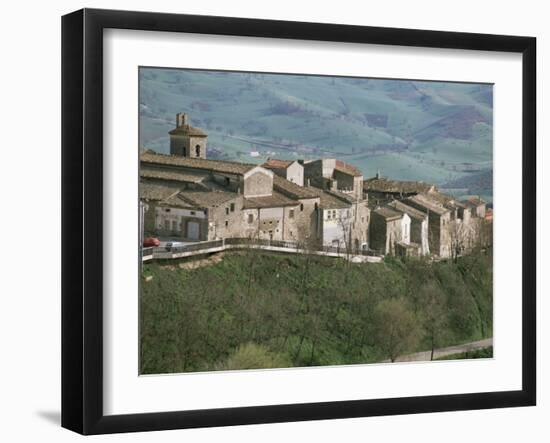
(316,312)
(443,124)
(480,353)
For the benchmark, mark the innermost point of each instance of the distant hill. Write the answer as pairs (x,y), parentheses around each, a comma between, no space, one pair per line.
(479,183)
(432,131)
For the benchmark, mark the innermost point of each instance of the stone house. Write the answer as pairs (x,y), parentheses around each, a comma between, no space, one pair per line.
(476,205)
(343,223)
(419,225)
(439,219)
(381,190)
(388,227)
(334,175)
(293,171)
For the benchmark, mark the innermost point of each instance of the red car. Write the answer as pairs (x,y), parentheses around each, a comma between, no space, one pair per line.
(151,241)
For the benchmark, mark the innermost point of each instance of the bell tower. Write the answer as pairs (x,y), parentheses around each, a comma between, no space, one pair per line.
(187,141)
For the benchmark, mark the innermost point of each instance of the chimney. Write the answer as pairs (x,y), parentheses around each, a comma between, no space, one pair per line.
(181,119)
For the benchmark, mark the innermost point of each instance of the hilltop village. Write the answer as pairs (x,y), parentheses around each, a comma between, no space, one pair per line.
(318,204)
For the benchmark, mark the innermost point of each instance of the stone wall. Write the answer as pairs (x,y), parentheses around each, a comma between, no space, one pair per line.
(360,225)
(384,234)
(420,234)
(271,223)
(394,230)
(185,146)
(174,222)
(295,173)
(226,220)
(307,221)
(258,184)
(346,227)
(345,181)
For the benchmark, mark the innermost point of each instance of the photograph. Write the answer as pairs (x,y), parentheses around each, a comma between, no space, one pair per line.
(291,220)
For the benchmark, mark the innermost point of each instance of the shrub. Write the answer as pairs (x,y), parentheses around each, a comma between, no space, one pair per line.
(253,356)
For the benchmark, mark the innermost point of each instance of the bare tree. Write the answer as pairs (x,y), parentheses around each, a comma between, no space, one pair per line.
(345,224)
(458,235)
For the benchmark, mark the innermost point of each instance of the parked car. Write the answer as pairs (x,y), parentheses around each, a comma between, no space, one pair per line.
(173,244)
(151,241)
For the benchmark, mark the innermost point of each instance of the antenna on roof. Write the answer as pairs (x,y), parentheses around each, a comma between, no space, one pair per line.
(378,173)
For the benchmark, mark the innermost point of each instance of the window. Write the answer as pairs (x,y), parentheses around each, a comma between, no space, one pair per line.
(167,210)
(328,214)
(250,218)
(232,207)
(226,223)
(174,225)
(226,211)
(198,150)
(334,214)
(167,225)
(291,213)
(192,212)
(302,206)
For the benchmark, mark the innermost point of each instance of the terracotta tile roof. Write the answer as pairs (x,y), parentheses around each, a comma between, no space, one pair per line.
(276,200)
(428,204)
(293,190)
(396,186)
(329,200)
(476,201)
(188,130)
(178,176)
(156,192)
(150,157)
(347,168)
(274,163)
(409,210)
(388,213)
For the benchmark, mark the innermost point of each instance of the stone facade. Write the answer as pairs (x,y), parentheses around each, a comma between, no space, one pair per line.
(293,171)
(419,225)
(387,228)
(258,182)
(439,219)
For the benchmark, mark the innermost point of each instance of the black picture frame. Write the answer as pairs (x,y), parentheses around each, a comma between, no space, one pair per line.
(82,259)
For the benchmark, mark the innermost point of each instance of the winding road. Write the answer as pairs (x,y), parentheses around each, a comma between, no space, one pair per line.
(443,352)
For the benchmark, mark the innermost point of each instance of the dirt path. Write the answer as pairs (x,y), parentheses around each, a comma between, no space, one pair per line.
(443,352)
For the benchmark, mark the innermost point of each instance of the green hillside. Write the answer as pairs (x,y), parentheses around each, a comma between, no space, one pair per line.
(254,309)
(432,131)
